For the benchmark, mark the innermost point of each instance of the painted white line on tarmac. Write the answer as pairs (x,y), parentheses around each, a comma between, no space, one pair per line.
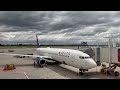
(26,75)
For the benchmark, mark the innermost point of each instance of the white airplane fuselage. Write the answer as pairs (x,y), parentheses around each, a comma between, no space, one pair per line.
(70,57)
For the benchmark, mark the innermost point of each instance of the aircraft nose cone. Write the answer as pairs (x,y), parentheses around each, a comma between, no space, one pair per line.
(91,63)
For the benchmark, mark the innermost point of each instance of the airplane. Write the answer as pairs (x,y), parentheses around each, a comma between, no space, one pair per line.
(75,58)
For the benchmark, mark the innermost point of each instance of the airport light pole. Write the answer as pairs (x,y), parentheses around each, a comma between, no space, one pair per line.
(109,47)
(110,52)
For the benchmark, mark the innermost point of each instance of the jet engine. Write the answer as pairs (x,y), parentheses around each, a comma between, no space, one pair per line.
(41,61)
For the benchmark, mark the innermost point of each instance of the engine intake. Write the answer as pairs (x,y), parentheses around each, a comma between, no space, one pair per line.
(40,61)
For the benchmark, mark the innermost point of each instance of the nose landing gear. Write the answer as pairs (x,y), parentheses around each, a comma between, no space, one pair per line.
(81,71)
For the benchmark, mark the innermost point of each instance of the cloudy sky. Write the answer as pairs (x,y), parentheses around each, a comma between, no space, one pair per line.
(59,26)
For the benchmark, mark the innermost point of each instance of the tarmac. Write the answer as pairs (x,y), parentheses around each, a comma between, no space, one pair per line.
(26,70)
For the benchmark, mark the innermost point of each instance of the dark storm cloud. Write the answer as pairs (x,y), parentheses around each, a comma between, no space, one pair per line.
(41,20)
(20,19)
(24,21)
(69,23)
(74,19)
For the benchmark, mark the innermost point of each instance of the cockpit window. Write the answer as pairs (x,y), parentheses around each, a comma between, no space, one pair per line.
(81,57)
(86,57)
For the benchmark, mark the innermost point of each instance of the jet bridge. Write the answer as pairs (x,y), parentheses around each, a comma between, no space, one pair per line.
(101,54)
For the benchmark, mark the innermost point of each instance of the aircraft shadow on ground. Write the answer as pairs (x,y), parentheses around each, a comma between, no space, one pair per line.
(66,72)
(69,73)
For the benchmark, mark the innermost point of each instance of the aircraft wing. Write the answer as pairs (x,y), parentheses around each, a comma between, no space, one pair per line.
(32,56)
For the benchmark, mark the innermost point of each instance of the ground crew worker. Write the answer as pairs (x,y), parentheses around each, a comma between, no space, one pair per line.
(34,64)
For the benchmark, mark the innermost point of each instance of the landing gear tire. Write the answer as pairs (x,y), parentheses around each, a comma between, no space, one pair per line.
(41,66)
(81,73)
(116,73)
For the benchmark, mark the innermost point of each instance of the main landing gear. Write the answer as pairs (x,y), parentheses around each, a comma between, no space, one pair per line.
(40,65)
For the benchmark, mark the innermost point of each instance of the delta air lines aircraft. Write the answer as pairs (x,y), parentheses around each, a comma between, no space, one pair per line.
(70,57)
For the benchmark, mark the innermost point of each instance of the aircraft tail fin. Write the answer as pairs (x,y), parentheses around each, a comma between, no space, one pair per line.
(37,41)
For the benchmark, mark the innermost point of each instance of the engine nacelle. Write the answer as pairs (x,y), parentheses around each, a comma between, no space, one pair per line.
(41,61)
